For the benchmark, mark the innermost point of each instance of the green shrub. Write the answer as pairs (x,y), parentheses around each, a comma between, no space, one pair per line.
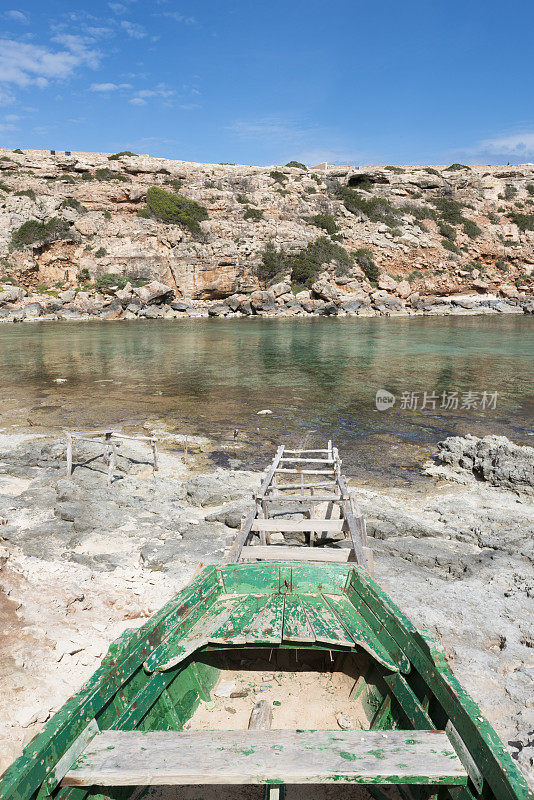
(174,209)
(502,265)
(530,189)
(101,252)
(298,287)
(26,193)
(255,214)
(296,164)
(308,263)
(6,158)
(107,215)
(448,245)
(447,231)
(420,212)
(34,232)
(18,151)
(83,275)
(277,176)
(396,170)
(106,174)
(176,184)
(122,153)
(525,222)
(325,221)
(376,209)
(510,191)
(364,258)
(71,202)
(274,262)
(305,265)
(4,187)
(471,229)
(493,218)
(242,199)
(8,279)
(110,279)
(432,171)
(449,210)
(454,167)
(416,275)
(145,213)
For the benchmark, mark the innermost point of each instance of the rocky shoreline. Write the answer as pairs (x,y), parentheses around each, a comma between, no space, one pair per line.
(156,300)
(80,562)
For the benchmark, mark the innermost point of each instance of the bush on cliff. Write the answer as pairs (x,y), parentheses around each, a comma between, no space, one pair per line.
(277,176)
(38,233)
(122,153)
(364,258)
(273,262)
(325,221)
(525,222)
(174,209)
(471,228)
(376,209)
(309,262)
(296,164)
(254,214)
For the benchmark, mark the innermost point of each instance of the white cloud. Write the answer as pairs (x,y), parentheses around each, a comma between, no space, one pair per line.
(117,8)
(23,64)
(142,95)
(515,144)
(17,16)
(108,87)
(133,30)
(177,17)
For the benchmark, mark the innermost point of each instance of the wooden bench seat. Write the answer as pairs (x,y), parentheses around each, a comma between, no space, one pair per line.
(168,758)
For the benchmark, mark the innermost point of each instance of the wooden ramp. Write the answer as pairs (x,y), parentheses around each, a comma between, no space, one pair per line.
(318,507)
(169,758)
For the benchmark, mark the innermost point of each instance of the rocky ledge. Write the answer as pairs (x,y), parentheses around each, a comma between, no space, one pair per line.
(326,298)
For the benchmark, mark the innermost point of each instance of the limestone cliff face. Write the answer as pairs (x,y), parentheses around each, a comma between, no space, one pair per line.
(105,233)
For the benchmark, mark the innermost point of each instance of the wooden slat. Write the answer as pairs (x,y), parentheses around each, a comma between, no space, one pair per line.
(296,525)
(271,471)
(296,625)
(282,552)
(360,631)
(327,627)
(266,628)
(318,485)
(234,552)
(307,451)
(291,471)
(172,758)
(306,498)
(178,648)
(307,460)
(233,629)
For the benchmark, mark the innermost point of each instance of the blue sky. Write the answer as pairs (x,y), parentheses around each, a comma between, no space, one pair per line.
(259,82)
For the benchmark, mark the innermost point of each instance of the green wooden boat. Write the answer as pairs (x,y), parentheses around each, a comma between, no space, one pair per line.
(143,719)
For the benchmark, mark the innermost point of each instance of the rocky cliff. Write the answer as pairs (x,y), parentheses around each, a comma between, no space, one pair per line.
(380,235)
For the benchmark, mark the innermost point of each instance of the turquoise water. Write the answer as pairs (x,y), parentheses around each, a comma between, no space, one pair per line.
(319,377)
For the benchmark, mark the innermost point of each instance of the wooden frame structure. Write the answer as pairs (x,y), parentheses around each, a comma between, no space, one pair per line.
(110,441)
(304,479)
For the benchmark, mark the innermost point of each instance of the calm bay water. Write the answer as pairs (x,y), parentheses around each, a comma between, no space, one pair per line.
(319,377)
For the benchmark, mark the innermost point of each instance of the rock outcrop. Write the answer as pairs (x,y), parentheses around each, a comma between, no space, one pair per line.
(409,240)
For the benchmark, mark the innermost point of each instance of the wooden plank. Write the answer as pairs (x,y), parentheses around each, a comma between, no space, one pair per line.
(326,626)
(234,552)
(172,758)
(261,716)
(307,460)
(291,471)
(267,626)
(180,646)
(307,451)
(234,629)
(270,472)
(296,625)
(274,552)
(408,701)
(360,631)
(319,485)
(295,525)
(306,498)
